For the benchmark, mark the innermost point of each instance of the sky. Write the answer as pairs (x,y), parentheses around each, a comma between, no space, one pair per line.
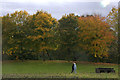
(58,8)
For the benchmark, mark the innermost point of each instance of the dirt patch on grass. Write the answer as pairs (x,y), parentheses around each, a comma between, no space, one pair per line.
(58,61)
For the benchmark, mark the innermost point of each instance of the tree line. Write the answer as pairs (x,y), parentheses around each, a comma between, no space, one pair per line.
(73,37)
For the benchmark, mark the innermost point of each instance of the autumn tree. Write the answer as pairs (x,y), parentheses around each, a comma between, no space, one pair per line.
(14,33)
(112,20)
(42,33)
(1,45)
(95,35)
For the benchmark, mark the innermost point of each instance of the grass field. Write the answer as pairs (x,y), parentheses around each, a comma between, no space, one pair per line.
(48,69)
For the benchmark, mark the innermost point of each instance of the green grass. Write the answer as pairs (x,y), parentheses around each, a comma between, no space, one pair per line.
(37,69)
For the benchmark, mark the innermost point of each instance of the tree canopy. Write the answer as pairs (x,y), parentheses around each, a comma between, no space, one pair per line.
(40,36)
(95,35)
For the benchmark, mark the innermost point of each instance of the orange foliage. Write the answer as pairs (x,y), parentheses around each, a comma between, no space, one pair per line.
(95,35)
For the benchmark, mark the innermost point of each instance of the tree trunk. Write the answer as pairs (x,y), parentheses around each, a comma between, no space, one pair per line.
(68,54)
(43,56)
(48,54)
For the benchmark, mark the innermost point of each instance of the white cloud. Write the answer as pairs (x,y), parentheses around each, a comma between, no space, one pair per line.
(104,3)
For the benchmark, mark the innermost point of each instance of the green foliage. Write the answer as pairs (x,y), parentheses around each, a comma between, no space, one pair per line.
(68,35)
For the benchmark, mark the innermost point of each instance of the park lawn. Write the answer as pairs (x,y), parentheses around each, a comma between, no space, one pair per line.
(59,69)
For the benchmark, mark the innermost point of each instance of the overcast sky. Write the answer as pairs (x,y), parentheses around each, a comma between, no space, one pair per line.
(58,7)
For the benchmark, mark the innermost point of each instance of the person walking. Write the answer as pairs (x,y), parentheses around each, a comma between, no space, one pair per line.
(74,67)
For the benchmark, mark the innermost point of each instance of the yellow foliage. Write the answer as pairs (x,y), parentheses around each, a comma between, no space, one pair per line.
(95,55)
(16,57)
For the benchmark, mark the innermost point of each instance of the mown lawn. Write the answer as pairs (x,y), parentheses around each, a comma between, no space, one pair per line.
(48,69)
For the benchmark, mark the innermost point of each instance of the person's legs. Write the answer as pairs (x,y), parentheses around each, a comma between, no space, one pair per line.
(75,71)
(72,70)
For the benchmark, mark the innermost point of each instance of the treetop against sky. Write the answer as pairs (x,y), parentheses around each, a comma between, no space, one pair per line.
(59,7)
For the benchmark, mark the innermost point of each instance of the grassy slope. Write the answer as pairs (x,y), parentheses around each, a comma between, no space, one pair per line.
(54,68)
